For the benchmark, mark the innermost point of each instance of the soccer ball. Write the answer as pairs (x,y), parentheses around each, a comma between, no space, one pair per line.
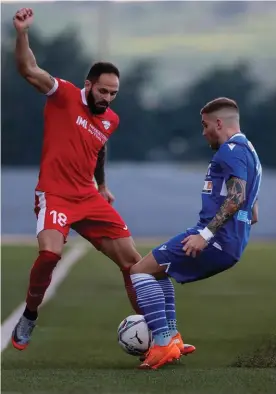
(134,336)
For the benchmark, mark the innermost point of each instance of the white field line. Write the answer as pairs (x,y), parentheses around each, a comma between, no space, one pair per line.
(24,240)
(62,270)
(30,240)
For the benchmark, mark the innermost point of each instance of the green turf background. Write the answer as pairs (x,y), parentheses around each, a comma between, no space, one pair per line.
(230,318)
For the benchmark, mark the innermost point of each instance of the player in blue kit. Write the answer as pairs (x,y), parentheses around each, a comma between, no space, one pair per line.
(215,243)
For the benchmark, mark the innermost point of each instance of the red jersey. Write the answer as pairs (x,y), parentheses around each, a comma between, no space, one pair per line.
(73,136)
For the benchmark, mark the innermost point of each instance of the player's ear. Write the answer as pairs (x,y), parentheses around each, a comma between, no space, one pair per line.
(219,124)
(87,85)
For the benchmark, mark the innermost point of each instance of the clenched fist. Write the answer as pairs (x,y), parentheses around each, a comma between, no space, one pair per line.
(23,19)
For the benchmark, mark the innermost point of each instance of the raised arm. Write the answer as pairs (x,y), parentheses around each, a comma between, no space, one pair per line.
(25,59)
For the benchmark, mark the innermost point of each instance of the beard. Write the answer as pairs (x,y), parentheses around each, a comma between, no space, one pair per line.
(96,108)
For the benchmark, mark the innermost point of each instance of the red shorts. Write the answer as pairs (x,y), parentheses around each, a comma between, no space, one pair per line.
(93,218)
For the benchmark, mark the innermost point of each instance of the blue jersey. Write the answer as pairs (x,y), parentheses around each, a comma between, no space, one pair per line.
(235,158)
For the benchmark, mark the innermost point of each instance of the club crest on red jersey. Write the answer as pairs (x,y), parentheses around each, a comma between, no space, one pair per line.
(106,124)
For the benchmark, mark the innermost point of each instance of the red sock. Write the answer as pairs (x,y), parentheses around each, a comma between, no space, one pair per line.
(131,293)
(40,278)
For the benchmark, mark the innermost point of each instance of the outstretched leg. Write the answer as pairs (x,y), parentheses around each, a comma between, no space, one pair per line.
(50,249)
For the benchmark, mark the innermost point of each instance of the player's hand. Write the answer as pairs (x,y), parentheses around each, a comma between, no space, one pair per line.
(23,19)
(193,245)
(106,193)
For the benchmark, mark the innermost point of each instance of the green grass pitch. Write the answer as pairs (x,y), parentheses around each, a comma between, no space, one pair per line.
(231,319)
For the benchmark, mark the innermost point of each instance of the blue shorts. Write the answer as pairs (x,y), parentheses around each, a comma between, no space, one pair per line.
(185,269)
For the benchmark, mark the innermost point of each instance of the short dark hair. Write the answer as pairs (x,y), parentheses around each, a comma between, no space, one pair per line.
(102,68)
(219,103)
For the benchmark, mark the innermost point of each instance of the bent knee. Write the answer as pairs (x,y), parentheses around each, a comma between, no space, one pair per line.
(132,257)
(51,240)
(148,265)
(127,265)
(135,269)
(129,261)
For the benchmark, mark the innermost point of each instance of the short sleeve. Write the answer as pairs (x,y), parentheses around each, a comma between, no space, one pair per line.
(60,91)
(233,160)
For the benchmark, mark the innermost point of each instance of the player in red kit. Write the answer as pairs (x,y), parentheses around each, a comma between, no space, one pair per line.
(77,125)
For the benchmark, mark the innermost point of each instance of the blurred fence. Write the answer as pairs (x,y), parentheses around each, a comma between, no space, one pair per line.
(154,200)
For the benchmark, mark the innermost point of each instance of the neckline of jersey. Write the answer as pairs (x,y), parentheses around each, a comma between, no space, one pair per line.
(239,133)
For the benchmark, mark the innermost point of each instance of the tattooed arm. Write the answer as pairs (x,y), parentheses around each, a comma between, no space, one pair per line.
(99,171)
(100,176)
(234,166)
(193,244)
(234,200)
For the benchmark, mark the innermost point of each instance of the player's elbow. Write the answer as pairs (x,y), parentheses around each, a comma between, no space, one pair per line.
(255,213)
(37,78)
(255,219)
(26,71)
